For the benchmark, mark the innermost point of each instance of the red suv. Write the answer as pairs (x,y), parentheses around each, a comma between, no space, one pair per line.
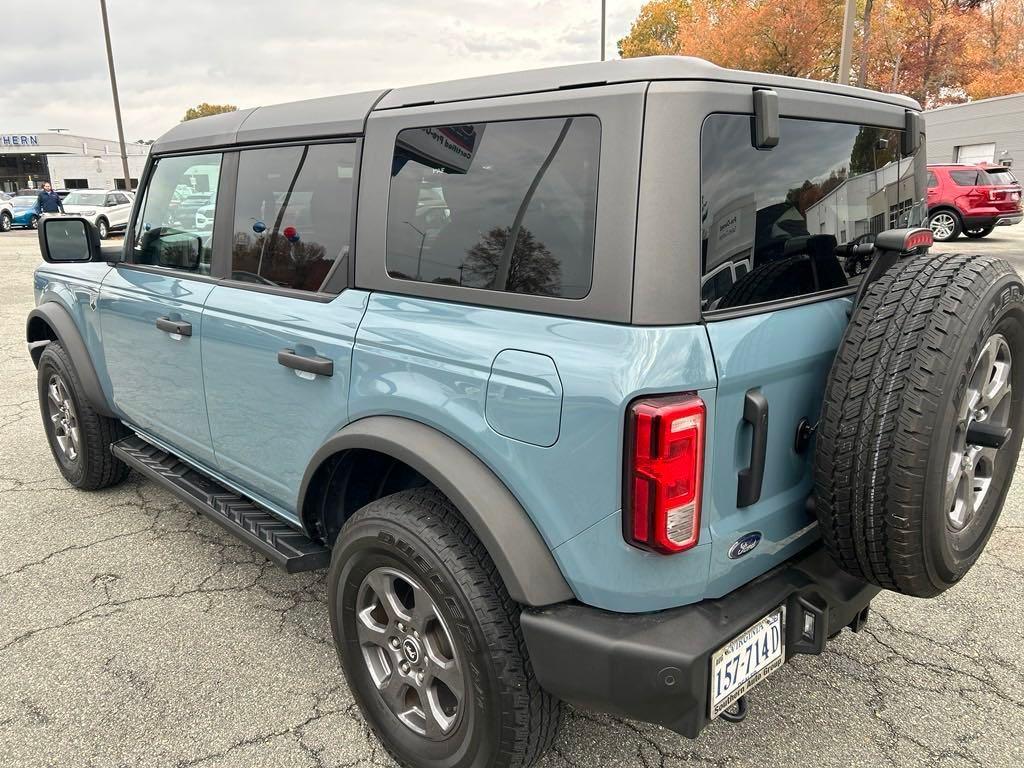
(967,199)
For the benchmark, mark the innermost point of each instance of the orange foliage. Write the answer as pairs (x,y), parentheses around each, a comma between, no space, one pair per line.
(938,51)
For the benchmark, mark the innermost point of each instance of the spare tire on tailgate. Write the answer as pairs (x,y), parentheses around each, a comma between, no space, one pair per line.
(921,422)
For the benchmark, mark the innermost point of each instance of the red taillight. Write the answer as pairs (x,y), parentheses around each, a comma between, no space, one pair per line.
(664,470)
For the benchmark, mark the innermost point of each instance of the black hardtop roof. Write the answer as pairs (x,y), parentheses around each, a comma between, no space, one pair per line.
(347,114)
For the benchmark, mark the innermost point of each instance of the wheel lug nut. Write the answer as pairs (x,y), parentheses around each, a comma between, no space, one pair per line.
(404,667)
(401,627)
(419,677)
(394,643)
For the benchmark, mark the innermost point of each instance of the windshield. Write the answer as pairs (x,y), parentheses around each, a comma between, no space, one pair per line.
(85,198)
(798,219)
(23,200)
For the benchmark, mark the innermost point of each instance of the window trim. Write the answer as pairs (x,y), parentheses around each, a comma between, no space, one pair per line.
(764,307)
(620,109)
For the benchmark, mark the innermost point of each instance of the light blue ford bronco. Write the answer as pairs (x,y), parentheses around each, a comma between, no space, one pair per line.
(615,384)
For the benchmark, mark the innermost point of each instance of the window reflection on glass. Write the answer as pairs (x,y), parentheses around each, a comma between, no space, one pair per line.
(175,228)
(293,214)
(800,218)
(506,206)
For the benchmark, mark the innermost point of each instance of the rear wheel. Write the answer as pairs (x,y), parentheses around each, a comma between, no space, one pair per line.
(5,221)
(945,225)
(978,232)
(430,640)
(913,460)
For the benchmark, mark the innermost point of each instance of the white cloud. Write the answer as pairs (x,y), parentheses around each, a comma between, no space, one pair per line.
(173,54)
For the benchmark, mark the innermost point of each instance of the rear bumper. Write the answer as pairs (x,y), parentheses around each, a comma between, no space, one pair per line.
(993,220)
(655,667)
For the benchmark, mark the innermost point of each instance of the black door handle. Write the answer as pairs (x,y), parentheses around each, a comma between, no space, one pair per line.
(174,326)
(755,413)
(321,366)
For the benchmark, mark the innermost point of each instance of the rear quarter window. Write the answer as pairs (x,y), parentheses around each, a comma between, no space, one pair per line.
(503,206)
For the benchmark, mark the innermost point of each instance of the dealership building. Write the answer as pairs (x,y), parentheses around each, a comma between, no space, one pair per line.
(986,131)
(66,161)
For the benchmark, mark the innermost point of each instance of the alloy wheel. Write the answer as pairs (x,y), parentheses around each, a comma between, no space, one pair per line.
(943,225)
(409,653)
(63,417)
(987,400)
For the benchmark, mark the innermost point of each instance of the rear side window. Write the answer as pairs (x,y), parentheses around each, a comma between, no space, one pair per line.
(932,180)
(971,178)
(293,214)
(798,219)
(505,206)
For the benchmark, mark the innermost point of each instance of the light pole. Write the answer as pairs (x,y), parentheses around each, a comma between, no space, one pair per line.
(117,102)
(603,15)
(419,256)
(845,52)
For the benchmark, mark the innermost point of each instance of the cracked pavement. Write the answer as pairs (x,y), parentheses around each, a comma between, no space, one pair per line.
(134,632)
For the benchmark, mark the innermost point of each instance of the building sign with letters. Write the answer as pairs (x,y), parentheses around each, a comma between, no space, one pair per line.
(18,140)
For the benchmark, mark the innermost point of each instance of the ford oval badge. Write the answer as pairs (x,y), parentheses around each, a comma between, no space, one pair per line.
(744,544)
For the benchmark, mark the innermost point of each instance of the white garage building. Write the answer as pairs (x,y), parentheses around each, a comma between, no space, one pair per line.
(986,131)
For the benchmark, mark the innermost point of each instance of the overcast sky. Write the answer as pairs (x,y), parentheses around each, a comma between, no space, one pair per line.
(173,54)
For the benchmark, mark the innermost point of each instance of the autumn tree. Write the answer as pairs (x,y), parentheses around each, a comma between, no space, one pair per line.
(205,110)
(938,51)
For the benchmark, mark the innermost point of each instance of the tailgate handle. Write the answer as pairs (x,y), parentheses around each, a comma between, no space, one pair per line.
(755,413)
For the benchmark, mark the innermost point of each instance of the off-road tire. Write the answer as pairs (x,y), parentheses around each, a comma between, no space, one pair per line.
(509,721)
(890,420)
(95,466)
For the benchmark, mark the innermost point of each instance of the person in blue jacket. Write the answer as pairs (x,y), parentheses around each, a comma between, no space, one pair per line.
(49,201)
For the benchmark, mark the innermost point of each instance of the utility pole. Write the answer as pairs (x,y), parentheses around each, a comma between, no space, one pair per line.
(845,52)
(117,102)
(603,16)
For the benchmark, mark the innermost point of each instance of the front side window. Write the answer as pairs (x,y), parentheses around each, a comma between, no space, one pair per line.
(504,206)
(800,218)
(174,229)
(293,214)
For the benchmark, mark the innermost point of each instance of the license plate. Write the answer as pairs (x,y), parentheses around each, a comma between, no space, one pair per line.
(746,660)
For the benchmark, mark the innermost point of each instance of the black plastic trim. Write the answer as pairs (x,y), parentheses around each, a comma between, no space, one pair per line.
(63,326)
(751,478)
(656,667)
(180,327)
(523,559)
(321,366)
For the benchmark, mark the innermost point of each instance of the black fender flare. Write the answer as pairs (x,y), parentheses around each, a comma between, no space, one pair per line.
(522,557)
(54,315)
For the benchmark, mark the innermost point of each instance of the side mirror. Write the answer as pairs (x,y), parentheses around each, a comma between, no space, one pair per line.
(68,240)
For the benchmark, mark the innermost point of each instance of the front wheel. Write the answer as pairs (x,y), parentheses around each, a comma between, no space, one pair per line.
(978,232)
(79,437)
(103,229)
(945,226)
(34,222)
(430,641)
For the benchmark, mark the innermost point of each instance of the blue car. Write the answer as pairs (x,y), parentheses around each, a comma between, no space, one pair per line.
(24,211)
(559,376)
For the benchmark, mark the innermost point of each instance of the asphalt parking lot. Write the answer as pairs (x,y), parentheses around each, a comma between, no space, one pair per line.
(133,632)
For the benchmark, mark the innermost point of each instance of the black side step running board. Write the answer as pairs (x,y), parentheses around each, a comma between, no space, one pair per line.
(283,545)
